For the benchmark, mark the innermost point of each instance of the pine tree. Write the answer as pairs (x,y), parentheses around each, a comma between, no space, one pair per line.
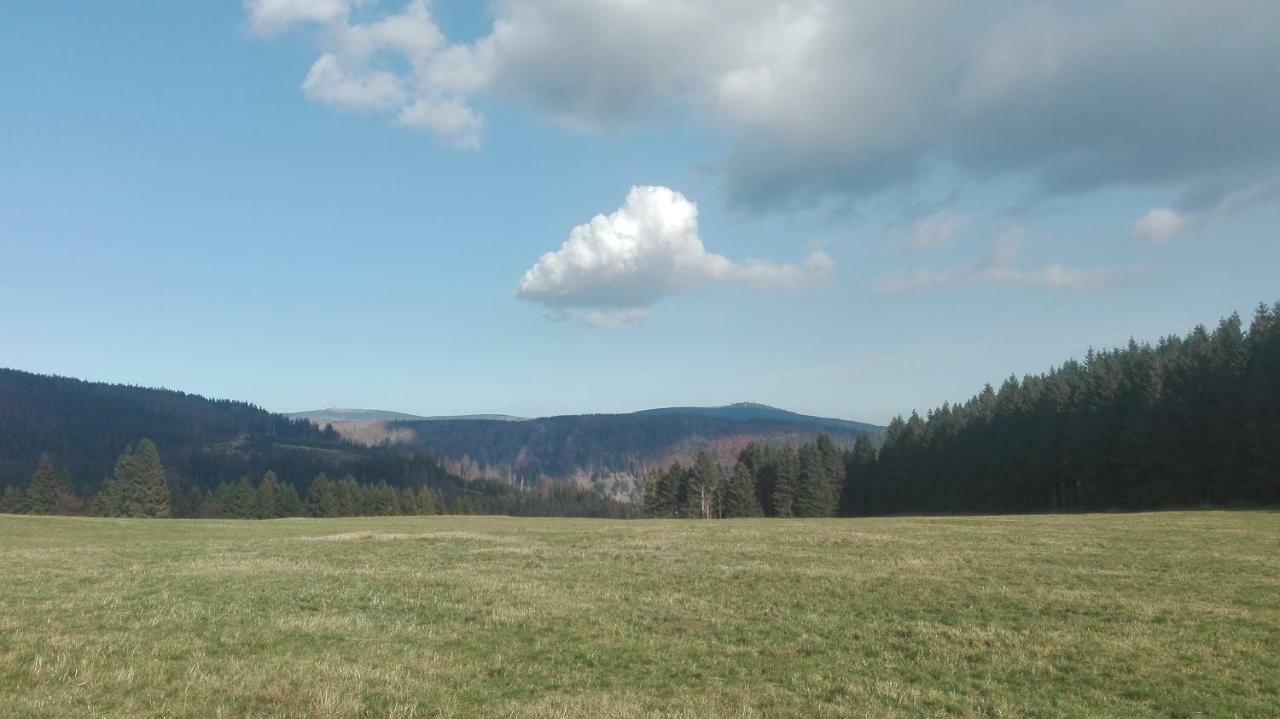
(380,500)
(350,498)
(784,487)
(148,491)
(109,501)
(238,500)
(43,492)
(13,501)
(739,496)
(270,497)
(813,495)
(704,479)
(855,492)
(69,503)
(427,503)
(322,497)
(290,504)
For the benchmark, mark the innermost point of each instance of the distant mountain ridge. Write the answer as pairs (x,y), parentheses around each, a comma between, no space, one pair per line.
(204,442)
(736,411)
(612,451)
(85,426)
(336,415)
(753,410)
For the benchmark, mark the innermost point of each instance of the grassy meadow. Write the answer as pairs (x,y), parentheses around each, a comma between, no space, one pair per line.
(1161,614)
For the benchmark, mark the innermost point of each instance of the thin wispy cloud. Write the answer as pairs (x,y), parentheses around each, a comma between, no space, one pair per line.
(999,268)
(935,231)
(1161,225)
(615,266)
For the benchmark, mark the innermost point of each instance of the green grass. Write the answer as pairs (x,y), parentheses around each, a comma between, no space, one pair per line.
(1166,614)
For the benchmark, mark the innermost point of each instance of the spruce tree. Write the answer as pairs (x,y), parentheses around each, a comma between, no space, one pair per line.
(739,498)
(350,498)
(120,495)
(784,486)
(427,503)
(42,495)
(290,503)
(149,489)
(812,486)
(704,479)
(854,494)
(13,501)
(69,503)
(322,497)
(238,500)
(270,497)
(109,501)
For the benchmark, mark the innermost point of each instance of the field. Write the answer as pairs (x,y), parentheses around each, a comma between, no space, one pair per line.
(1162,614)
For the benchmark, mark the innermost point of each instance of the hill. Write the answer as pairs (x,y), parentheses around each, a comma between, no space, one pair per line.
(336,416)
(208,442)
(611,451)
(333,415)
(752,410)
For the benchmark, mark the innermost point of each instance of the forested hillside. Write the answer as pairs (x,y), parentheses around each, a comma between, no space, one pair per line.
(1190,421)
(208,446)
(592,446)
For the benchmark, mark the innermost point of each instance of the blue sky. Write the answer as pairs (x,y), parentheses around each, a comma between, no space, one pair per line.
(187,201)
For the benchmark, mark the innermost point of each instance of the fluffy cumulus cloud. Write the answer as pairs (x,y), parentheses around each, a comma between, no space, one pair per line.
(999,268)
(612,268)
(377,60)
(844,99)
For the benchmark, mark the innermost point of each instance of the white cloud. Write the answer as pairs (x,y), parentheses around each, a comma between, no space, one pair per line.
(1158,226)
(1162,224)
(998,268)
(614,266)
(850,98)
(330,82)
(398,63)
(272,16)
(935,231)
(447,118)
(613,319)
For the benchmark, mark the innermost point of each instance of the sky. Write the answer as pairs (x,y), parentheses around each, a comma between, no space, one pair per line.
(849,209)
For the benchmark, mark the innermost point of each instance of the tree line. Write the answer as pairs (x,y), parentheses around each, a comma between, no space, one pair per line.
(138,487)
(1190,421)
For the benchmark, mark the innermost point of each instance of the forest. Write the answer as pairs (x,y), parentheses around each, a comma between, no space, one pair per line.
(210,450)
(1187,422)
(138,487)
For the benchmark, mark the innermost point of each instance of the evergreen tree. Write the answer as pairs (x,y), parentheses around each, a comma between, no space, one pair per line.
(855,493)
(239,500)
(13,501)
(322,497)
(786,476)
(704,480)
(42,495)
(110,501)
(69,503)
(427,504)
(380,500)
(740,494)
(290,503)
(350,498)
(270,497)
(139,476)
(813,486)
